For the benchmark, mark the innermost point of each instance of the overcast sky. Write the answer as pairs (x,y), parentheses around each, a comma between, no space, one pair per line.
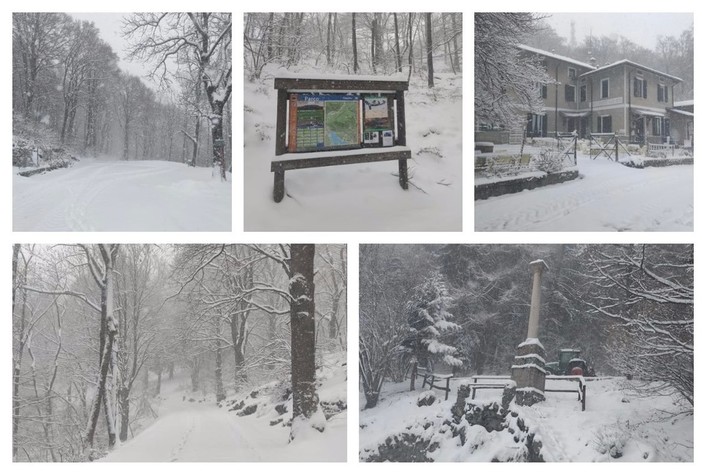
(641,28)
(110,26)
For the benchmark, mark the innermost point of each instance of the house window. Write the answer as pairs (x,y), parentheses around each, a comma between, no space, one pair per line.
(666,127)
(662,93)
(569,93)
(604,124)
(544,91)
(640,88)
(604,88)
(583,93)
(572,73)
(656,126)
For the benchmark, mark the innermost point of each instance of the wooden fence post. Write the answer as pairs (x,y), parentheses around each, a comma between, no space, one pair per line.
(281,122)
(413,377)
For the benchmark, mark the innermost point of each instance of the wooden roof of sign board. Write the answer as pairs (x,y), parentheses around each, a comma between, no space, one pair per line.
(342,82)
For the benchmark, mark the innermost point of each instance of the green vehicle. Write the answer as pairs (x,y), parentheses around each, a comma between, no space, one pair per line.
(569,363)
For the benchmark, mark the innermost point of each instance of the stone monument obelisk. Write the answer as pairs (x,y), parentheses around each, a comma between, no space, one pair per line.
(528,371)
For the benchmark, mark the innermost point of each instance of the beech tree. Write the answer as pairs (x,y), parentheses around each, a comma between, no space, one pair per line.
(203,38)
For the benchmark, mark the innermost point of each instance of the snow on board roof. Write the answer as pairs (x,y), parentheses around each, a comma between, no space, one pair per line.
(343,77)
(687,102)
(636,65)
(555,56)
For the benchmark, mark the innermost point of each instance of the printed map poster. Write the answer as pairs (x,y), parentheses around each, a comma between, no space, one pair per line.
(323,121)
(341,121)
(306,129)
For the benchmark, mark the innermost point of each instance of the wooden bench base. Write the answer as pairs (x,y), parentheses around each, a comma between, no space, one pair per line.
(278,167)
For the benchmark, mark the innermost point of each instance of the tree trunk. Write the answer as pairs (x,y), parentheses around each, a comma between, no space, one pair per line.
(353,43)
(269,37)
(302,330)
(410,54)
(329,25)
(219,384)
(456,53)
(195,375)
(398,54)
(430,60)
(125,150)
(124,405)
(218,140)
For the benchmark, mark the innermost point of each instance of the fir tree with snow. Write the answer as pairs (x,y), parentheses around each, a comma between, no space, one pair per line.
(429,322)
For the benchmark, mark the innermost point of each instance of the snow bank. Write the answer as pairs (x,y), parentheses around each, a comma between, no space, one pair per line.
(608,197)
(619,425)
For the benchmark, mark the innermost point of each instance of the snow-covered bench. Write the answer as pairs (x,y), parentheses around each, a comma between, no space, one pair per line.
(375,143)
(431,378)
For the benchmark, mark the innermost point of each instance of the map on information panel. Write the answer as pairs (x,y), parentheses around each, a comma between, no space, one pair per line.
(323,121)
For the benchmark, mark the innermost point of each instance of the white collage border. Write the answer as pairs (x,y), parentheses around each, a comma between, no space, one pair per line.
(238,7)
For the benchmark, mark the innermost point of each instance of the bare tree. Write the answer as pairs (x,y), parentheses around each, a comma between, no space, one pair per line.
(201,37)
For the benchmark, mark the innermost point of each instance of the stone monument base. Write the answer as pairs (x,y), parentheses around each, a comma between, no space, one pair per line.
(529,373)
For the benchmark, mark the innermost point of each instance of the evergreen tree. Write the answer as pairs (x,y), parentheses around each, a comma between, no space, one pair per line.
(429,321)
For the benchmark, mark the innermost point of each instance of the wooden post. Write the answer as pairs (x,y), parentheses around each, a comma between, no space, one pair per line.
(447,387)
(584,393)
(278,185)
(414,375)
(404,180)
(401,131)
(616,148)
(575,150)
(281,124)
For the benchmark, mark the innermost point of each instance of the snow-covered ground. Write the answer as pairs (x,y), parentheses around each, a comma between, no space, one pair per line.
(190,427)
(607,197)
(363,197)
(618,425)
(102,195)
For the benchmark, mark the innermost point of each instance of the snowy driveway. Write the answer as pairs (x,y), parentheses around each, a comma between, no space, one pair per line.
(607,197)
(122,196)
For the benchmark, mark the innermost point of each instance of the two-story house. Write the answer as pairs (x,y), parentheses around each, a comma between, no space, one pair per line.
(626,98)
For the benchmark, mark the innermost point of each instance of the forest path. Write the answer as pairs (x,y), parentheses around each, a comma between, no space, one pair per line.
(610,197)
(98,195)
(191,431)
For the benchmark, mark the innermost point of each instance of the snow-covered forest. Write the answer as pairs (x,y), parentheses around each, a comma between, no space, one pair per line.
(427,49)
(462,310)
(179,352)
(83,100)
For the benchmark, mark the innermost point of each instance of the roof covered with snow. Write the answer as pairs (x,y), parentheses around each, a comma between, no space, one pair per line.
(343,77)
(636,65)
(554,56)
(681,112)
(687,102)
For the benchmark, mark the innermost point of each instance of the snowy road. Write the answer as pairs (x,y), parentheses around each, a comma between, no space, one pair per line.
(195,432)
(201,431)
(608,197)
(122,196)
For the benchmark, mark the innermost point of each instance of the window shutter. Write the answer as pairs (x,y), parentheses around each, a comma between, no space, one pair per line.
(666,94)
(645,89)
